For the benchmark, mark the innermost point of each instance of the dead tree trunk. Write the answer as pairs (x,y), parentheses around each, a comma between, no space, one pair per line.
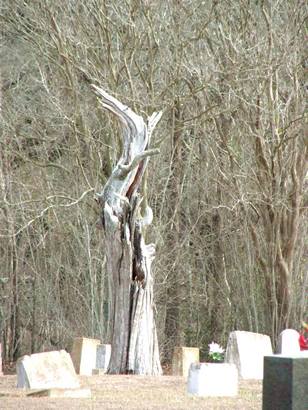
(129,259)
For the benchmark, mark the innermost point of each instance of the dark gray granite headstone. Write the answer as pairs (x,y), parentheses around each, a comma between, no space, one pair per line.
(285,383)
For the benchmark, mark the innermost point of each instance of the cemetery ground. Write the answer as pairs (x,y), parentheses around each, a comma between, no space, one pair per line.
(130,392)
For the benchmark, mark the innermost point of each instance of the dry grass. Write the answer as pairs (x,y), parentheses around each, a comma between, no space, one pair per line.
(131,392)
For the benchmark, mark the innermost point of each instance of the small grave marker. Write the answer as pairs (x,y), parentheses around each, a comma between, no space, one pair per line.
(288,342)
(103,353)
(183,357)
(84,355)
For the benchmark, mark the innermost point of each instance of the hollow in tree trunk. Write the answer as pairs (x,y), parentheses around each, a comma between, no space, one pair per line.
(129,259)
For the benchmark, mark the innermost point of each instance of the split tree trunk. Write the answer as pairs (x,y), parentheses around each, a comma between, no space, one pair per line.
(129,259)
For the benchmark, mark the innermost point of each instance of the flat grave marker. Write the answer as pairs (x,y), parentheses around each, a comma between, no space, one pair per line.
(62,393)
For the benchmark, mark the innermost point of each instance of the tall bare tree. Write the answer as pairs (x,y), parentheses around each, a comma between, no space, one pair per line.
(129,259)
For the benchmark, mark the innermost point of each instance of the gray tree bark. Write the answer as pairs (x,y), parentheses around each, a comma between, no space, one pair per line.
(129,259)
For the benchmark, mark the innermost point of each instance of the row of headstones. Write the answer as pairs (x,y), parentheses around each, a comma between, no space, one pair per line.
(246,350)
(250,356)
(91,357)
(244,358)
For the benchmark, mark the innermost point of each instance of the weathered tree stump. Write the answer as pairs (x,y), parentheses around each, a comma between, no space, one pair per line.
(129,259)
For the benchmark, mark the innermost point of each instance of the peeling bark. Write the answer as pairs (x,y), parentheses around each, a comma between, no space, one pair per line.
(129,259)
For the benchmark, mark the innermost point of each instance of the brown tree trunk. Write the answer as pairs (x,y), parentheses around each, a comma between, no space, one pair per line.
(129,259)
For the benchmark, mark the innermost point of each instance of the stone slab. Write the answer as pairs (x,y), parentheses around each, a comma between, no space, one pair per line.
(288,342)
(183,357)
(62,393)
(285,383)
(213,380)
(46,371)
(103,354)
(247,350)
(84,355)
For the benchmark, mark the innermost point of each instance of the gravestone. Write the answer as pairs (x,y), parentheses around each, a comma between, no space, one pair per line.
(183,357)
(84,355)
(285,383)
(46,371)
(1,373)
(103,353)
(288,342)
(247,350)
(212,380)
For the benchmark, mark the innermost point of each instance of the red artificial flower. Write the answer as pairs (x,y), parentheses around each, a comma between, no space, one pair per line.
(303,342)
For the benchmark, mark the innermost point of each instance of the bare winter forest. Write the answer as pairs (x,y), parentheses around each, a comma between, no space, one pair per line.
(228,189)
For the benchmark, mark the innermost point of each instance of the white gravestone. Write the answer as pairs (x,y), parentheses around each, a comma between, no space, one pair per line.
(103,353)
(47,371)
(212,380)
(247,350)
(288,342)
